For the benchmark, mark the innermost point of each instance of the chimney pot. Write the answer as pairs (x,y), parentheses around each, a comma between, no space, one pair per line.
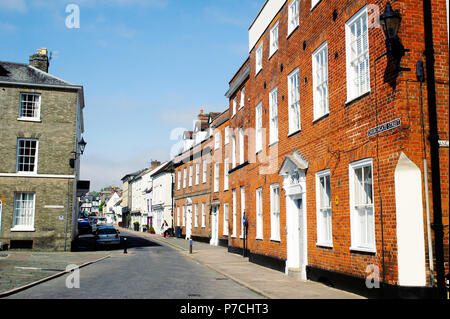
(40,60)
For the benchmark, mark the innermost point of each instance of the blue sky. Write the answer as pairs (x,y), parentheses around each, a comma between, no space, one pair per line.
(147,67)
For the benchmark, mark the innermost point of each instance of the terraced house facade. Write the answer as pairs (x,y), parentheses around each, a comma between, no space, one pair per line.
(193,181)
(341,176)
(42,123)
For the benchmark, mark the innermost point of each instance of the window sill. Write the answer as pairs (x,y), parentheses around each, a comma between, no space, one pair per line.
(357,98)
(272,54)
(273,143)
(27,119)
(363,250)
(23,229)
(259,71)
(312,8)
(278,240)
(292,31)
(259,238)
(293,133)
(320,118)
(324,245)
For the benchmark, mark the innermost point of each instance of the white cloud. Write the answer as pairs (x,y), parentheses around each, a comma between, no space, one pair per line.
(13,5)
(219,16)
(7,27)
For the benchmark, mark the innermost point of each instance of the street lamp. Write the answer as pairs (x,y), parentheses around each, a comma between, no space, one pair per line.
(82,144)
(390,21)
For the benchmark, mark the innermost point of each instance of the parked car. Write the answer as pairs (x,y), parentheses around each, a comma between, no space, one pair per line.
(84,227)
(107,235)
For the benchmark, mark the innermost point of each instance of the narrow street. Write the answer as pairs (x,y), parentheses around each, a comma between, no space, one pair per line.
(147,271)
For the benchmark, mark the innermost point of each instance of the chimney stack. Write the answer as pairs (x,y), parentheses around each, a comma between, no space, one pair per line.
(40,60)
(155,164)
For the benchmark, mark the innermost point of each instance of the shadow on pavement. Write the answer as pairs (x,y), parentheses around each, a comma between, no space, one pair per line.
(88,243)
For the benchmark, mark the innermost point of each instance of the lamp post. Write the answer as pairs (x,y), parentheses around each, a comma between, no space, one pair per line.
(390,21)
(82,144)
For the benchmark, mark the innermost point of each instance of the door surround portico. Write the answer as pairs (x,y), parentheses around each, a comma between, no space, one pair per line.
(293,170)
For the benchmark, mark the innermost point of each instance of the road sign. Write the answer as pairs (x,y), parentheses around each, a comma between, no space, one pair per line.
(384,127)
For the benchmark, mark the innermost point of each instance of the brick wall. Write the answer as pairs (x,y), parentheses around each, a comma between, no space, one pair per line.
(56,132)
(340,138)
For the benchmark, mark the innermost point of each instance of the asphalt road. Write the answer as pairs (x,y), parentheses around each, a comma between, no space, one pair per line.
(147,271)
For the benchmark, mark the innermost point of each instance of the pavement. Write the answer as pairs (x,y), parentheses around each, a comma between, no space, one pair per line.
(20,270)
(266,282)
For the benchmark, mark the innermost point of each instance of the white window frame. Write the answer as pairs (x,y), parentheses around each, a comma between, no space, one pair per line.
(274,39)
(183,219)
(227,135)
(258,128)
(217,141)
(36,105)
(196,215)
(320,81)
(323,210)
(259,58)
(191,173)
(241,146)
(226,168)
(179,180)
(294,101)
(259,214)
(293,16)
(205,168)
(356,243)
(203,215)
(275,212)
(216,177)
(28,209)
(233,151)
(357,84)
(35,157)
(314,3)
(226,216)
(197,173)
(184,177)
(242,103)
(178,216)
(242,210)
(234,214)
(234,106)
(273,115)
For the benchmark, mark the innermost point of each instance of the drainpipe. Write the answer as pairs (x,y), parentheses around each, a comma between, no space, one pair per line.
(434,149)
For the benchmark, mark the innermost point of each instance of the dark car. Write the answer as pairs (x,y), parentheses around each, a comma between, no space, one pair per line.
(84,227)
(107,235)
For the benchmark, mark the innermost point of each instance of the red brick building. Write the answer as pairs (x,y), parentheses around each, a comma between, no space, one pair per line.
(220,191)
(336,137)
(193,173)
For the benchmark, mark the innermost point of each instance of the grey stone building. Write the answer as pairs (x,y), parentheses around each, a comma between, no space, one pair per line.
(41,122)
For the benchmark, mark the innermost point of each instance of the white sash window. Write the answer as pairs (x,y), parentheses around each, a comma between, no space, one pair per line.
(357,52)
(294,101)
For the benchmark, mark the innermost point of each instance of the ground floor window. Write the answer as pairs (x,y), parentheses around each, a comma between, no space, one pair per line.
(361,205)
(24,207)
(225,218)
(275,212)
(323,204)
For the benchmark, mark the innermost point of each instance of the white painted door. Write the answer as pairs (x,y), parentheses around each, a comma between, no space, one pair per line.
(189,222)
(214,226)
(296,248)
(293,233)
